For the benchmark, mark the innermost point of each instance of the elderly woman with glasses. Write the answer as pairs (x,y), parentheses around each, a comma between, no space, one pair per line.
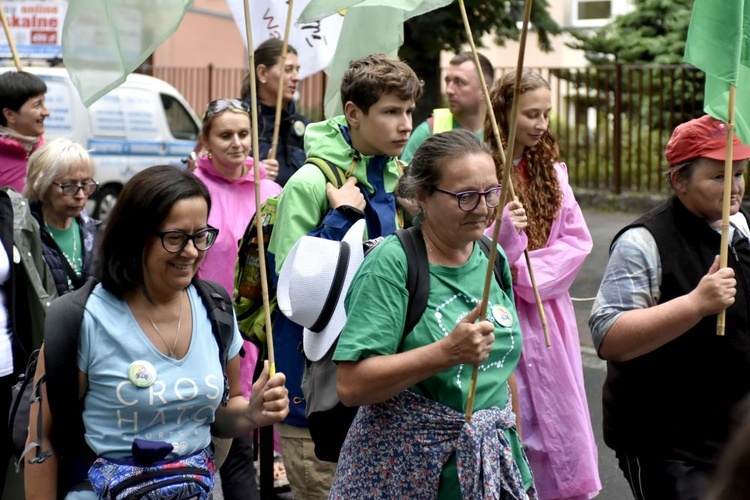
(409,439)
(151,382)
(59,181)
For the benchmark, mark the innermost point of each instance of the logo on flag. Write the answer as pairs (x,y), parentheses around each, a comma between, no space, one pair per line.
(314,41)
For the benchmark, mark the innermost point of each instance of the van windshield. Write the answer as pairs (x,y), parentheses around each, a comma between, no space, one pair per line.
(180,122)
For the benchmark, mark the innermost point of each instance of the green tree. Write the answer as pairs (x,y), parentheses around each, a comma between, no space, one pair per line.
(443,29)
(653,33)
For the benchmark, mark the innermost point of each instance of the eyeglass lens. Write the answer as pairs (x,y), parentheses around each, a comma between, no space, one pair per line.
(468,200)
(175,240)
(71,189)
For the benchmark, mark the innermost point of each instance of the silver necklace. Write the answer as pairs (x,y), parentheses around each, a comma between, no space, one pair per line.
(177,334)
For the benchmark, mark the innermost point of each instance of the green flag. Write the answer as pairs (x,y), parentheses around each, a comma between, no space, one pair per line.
(718,43)
(103,41)
(370,27)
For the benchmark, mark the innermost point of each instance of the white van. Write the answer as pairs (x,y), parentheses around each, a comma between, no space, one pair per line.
(143,122)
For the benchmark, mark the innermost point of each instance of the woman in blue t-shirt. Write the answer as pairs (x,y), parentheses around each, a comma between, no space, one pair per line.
(150,376)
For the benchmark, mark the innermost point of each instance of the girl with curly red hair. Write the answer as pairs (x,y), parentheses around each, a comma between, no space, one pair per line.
(555,421)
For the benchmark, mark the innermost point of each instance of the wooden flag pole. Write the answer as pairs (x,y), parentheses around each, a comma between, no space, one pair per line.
(256,172)
(8,35)
(282,77)
(506,179)
(727,200)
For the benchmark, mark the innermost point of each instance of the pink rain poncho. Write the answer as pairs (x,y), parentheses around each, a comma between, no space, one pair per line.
(232,207)
(555,419)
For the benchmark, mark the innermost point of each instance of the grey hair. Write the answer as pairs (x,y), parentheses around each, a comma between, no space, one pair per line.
(51,161)
(683,169)
(424,172)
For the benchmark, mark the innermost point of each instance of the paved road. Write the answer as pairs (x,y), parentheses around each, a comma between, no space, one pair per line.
(603,227)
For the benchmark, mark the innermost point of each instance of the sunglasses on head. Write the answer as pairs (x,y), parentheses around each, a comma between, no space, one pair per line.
(220,105)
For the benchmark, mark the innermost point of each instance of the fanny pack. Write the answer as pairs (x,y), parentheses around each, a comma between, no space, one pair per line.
(189,477)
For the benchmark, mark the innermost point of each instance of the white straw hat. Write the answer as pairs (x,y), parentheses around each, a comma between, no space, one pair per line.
(313,283)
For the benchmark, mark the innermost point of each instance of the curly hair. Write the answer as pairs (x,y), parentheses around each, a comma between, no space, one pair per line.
(540,193)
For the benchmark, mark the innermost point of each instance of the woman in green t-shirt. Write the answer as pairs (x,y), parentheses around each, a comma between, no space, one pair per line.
(409,439)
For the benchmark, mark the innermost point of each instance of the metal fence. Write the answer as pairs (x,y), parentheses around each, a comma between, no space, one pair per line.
(612,122)
(200,85)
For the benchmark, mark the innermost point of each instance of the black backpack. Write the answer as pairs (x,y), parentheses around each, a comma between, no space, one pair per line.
(327,418)
(61,329)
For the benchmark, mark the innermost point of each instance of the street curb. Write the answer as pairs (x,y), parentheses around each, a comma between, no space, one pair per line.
(635,202)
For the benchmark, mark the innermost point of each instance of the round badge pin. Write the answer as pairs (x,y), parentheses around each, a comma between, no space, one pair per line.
(142,373)
(502,316)
(299,128)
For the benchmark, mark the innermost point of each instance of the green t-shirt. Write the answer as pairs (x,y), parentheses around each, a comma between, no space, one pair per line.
(69,241)
(420,134)
(376,312)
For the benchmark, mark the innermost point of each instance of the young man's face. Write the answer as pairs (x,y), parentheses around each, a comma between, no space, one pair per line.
(463,88)
(384,129)
(29,119)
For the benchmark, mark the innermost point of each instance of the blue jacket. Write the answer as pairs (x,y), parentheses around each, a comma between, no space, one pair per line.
(290,152)
(303,210)
(54,257)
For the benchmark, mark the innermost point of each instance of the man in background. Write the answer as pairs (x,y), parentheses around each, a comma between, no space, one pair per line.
(466,104)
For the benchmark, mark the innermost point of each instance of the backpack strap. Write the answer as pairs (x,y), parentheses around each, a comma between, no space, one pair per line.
(417,276)
(216,301)
(62,328)
(331,171)
(418,273)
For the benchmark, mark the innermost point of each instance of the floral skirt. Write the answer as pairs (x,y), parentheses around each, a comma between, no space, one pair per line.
(398,448)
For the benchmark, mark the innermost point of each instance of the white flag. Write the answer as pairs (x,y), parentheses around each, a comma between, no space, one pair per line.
(315,42)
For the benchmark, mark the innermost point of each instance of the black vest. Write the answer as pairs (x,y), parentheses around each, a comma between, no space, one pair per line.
(678,400)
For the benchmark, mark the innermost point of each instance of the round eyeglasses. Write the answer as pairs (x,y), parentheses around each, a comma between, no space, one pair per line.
(71,189)
(469,200)
(175,240)
(220,105)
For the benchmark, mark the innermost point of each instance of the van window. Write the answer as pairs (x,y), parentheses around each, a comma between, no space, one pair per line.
(180,122)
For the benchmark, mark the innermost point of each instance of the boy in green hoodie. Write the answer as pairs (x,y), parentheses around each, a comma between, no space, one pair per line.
(378,94)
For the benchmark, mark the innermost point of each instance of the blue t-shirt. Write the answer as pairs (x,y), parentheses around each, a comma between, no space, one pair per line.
(179,406)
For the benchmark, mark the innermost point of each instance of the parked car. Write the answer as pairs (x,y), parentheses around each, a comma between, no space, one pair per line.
(143,122)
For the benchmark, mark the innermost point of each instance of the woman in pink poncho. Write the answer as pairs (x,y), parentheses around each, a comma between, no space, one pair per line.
(227,171)
(555,421)
(224,167)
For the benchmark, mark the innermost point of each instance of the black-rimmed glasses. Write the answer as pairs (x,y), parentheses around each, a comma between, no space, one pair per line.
(468,200)
(175,240)
(220,105)
(71,189)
